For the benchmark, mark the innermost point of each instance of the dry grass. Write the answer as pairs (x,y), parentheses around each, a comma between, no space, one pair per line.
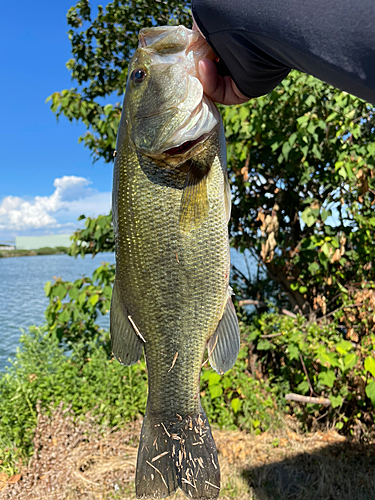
(78,461)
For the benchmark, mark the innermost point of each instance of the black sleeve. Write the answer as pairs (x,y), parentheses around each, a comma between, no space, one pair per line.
(260,41)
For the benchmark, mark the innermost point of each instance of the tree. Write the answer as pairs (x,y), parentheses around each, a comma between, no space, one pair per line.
(302,166)
(303,178)
(101,49)
(301,161)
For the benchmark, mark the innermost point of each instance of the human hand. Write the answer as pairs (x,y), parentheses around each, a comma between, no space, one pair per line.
(218,88)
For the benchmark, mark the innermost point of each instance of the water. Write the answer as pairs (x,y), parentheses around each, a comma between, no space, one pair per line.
(22,297)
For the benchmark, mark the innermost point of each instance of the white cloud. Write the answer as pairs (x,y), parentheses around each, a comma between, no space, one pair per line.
(71,198)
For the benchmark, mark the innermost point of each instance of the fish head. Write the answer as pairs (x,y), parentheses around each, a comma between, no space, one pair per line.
(166,111)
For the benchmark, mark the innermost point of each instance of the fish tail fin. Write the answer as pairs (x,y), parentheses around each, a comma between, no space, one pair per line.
(180,454)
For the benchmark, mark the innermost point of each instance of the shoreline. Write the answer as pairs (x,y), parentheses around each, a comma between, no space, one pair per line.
(6,254)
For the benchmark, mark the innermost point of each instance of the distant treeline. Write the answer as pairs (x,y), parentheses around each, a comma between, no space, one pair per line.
(37,251)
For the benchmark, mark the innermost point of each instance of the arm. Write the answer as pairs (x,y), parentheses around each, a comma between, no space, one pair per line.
(259,41)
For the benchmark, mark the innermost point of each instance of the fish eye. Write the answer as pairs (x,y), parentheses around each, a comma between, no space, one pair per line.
(138,75)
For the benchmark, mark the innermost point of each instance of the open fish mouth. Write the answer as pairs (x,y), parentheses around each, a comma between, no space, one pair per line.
(184,147)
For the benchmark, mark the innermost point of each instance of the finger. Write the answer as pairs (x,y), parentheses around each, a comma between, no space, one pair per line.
(220,89)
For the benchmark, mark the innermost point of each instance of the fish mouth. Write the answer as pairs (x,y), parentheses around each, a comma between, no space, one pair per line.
(184,147)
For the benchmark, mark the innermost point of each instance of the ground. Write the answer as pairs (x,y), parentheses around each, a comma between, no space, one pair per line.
(77,461)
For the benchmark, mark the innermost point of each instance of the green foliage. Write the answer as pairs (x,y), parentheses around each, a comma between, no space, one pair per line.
(90,381)
(302,164)
(96,237)
(237,400)
(101,48)
(74,307)
(314,359)
(87,379)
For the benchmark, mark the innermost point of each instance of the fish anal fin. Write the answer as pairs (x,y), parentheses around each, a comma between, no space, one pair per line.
(224,345)
(194,200)
(126,344)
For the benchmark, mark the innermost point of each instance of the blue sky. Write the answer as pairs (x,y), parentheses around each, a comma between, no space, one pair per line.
(47,179)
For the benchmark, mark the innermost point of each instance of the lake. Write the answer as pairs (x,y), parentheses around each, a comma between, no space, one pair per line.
(22,296)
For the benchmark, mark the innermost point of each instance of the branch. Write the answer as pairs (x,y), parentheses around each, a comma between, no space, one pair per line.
(339,309)
(308,399)
(288,313)
(250,302)
(307,375)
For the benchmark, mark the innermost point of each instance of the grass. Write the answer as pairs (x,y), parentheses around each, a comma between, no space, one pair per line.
(82,460)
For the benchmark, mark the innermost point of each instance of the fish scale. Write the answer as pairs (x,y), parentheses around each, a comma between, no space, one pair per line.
(183,298)
(171,295)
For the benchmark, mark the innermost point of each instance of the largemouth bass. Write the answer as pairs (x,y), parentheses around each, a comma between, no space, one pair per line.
(171,297)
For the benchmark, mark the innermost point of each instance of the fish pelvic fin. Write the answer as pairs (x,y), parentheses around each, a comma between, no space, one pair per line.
(176,455)
(224,345)
(194,200)
(126,343)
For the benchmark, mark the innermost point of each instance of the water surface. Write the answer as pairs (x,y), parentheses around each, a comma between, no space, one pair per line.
(22,296)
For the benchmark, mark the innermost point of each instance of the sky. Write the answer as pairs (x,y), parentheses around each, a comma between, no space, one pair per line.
(47,179)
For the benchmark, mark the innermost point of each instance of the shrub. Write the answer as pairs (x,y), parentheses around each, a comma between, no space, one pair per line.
(85,378)
(315,359)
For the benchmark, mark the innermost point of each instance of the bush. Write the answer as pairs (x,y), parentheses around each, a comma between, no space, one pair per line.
(86,378)
(315,359)
(74,306)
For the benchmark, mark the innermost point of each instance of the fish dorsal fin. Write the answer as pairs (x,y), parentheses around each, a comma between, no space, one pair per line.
(194,200)
(224,345)
(126,344)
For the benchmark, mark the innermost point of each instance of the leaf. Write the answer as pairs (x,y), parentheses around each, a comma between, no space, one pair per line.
(303,387)
(47,288)
(264,345)
(326,249)
(215,391)
(336,401)
(256,423)
(64,316)
(370,365)
(214,379)
(327,378)
(236,404)
(327,359)
(313,268)
(308,217)
(286,149)
(14,479)
(370,392)
(343,347)
(60,291)
(73,293)
(293,351)
(303,119)
(350,361)
(94,299)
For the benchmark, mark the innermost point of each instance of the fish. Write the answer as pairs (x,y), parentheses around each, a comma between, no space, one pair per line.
(171,295)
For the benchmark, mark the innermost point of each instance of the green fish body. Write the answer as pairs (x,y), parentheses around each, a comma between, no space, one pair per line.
(171,203)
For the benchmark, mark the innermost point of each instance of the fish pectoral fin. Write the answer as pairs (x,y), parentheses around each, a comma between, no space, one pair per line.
(227,197)
(224,345)
(194,200)
(125,342)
